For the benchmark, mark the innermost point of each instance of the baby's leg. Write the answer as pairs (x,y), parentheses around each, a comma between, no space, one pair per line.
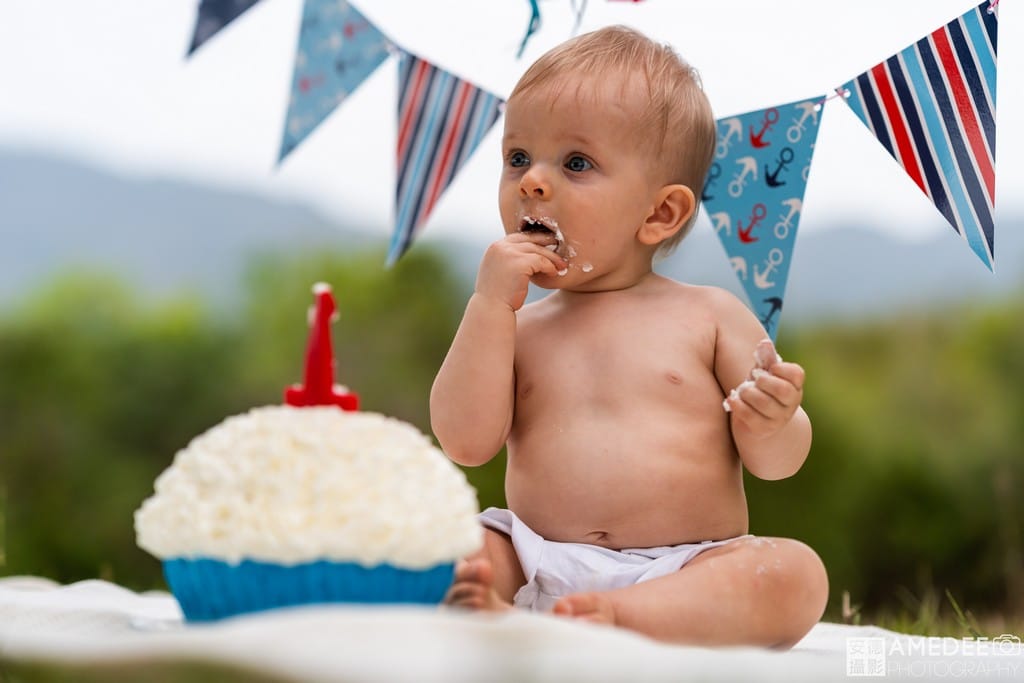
(754,591)
(490,578)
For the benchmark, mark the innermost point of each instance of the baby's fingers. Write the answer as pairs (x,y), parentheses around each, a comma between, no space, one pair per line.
(791,373)
(782,391)
(526,254)
(542,239)
(754,410)
(762,401)
(765,355)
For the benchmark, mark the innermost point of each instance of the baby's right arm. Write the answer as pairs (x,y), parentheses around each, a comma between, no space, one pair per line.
(471,402)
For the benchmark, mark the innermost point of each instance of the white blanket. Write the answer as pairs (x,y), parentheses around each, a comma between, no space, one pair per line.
(99,622)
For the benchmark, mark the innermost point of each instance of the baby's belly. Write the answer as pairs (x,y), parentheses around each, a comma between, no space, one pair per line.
(594,487)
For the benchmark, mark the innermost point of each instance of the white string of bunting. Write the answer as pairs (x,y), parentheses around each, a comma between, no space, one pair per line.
(932,106)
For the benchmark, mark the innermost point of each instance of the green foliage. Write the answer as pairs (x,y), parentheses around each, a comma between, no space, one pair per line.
(910,489)
(101,389)
(911,484)
(394,328)
(98,394)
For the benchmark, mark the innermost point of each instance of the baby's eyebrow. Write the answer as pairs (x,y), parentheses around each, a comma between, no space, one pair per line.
(578,139)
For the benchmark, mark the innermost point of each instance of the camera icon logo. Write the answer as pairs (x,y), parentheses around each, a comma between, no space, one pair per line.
(1007,644)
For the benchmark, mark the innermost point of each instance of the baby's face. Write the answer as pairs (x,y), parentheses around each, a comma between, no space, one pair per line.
(573,166)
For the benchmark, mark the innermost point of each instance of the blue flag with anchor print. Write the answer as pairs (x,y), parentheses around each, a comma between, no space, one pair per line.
(338,49)
(754,195)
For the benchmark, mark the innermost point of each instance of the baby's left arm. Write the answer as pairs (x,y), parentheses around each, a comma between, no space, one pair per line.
(769,427)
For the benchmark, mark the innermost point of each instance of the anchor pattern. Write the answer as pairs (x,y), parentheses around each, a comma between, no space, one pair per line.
(338,49)
(754,197)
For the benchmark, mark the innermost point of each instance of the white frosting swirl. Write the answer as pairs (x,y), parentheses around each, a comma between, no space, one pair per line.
(290,485)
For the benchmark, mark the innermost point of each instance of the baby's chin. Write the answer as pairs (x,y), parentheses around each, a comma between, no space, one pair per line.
(550,282)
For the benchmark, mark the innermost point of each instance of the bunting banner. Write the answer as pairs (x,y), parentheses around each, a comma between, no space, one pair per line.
(441,121)
(338,50)
(215,15)
(933,107)
(754,195)
(531,28)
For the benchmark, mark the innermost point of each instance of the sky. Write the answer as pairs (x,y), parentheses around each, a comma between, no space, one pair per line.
(107,82)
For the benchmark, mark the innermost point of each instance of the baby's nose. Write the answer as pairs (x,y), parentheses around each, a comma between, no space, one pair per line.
(535,184)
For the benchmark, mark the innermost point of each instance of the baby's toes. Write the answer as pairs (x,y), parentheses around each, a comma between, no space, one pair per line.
(467,594)
(472,585)
(477,570)
(593,607)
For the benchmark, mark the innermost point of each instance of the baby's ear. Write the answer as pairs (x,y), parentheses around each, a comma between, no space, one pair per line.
(673,206)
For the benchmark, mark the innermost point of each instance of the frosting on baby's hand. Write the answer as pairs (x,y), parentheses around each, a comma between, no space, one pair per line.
(765,357)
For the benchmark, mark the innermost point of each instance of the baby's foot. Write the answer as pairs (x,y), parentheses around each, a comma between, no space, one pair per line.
(592,607)
(473,587)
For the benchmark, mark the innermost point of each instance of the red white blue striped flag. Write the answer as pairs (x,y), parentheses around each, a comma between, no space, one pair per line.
(933,107)
(441,121)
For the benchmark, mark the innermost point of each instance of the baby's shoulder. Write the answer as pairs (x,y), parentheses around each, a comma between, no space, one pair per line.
(708,305)
(702,296)
(535,309)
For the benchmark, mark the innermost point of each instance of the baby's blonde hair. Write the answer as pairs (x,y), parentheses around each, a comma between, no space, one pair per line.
(676,126)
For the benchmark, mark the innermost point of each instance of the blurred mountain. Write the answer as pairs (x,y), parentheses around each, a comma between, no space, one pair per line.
(166,235)
(161,235)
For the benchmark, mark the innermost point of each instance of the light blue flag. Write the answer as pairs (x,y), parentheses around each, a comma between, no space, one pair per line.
(338,50)
(754,195)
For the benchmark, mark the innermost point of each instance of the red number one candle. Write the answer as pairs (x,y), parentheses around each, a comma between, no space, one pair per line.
(318,388)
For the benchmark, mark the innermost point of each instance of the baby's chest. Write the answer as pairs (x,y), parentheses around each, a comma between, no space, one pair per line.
(606,357)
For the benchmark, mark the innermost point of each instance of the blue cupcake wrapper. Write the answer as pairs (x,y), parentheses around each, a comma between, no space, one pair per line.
(209,589)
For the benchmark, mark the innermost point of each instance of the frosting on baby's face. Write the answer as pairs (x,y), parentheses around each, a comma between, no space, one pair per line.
(543,225)
(571,171)
(563,247)
(290,485)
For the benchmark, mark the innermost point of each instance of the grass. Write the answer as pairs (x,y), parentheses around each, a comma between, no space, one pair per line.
(933,614)
(3,525)
(151,671)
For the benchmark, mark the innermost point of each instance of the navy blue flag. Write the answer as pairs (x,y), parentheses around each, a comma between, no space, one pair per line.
(215,15)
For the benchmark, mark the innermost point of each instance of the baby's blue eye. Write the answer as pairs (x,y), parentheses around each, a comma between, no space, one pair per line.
(517,159)
(578,164)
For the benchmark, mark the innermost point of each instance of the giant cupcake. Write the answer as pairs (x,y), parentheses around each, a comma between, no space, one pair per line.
(309,502)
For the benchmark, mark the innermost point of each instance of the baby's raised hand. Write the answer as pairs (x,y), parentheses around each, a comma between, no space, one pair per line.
(767,399)
(509,263)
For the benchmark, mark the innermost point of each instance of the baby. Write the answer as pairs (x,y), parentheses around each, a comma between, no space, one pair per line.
(624,484)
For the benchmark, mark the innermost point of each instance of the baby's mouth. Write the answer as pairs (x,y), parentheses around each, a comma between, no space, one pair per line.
(541,225)
(544,226)
(549,226)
